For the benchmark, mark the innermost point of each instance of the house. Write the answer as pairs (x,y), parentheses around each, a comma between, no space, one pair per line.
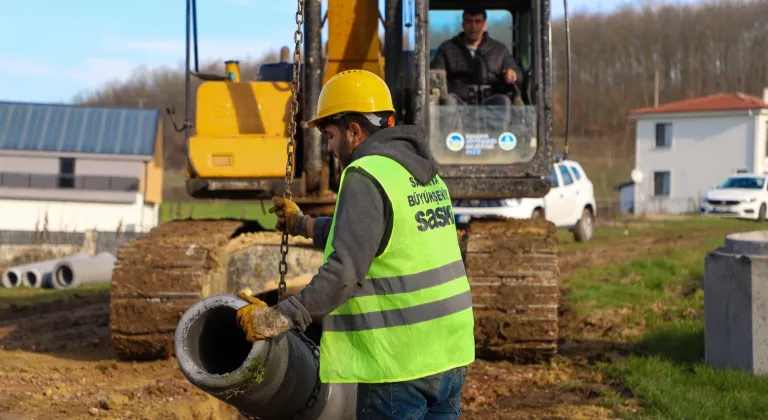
(68,168)
(684,148)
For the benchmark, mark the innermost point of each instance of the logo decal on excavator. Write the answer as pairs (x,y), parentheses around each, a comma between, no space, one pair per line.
(455,142)
(507,141)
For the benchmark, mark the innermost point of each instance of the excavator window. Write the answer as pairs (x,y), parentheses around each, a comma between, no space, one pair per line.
(445,24)
(475,115)
(276,72)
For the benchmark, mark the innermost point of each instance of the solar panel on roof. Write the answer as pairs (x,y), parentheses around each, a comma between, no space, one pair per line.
(78,129)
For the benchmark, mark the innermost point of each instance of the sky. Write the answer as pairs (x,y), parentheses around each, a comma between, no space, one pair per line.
(51,50)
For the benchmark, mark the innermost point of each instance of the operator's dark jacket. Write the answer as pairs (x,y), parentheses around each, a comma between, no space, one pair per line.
(462,69)
(363,224)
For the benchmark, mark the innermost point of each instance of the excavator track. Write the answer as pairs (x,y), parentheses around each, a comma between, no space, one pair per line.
(162,273)
(513,272)
(511,265)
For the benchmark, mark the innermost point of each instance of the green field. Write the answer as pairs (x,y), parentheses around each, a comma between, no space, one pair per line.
(28,296)
(662,296)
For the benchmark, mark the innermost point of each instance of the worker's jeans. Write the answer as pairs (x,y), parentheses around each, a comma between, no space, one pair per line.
(435,397)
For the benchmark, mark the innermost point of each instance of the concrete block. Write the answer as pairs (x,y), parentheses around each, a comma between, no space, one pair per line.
(736,303)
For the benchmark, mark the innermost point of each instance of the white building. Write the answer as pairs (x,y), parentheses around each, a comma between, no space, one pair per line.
(683,149)
(70,168)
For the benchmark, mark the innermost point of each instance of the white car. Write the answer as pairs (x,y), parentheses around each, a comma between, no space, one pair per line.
(570,204)
(742,195)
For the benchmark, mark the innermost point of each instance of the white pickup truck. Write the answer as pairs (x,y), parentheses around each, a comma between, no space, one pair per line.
(570,204)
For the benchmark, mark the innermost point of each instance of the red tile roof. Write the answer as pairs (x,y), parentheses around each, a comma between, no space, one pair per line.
(719,102)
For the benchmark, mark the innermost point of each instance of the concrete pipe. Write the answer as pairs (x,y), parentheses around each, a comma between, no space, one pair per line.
(11,278)
(268,379)
(17,275)
(736,303)
(39,274)
(75,272)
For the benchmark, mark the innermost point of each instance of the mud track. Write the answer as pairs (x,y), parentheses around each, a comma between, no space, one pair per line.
(57,362)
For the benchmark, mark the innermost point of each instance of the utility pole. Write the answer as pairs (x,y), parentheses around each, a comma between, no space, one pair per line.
(656,89)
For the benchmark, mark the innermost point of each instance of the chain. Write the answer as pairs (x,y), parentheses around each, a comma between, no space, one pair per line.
(281,287)
(298,38)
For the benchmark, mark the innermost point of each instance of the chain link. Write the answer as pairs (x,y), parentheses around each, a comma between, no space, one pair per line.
(298,38)
(287,194)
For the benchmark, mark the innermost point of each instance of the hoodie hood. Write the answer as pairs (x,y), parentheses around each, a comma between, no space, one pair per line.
(406,144)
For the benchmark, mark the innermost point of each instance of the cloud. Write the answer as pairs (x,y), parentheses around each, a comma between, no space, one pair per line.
(171,51)
(95,71)
(120,58)
(24,66)
(91,72)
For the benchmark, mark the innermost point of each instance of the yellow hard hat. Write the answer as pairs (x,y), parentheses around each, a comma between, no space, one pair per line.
(353,91)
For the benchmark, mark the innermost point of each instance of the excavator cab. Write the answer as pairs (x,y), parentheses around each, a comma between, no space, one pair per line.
(485,148)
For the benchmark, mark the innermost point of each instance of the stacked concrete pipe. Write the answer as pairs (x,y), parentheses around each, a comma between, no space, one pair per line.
(33,274)
(76,272)
(39,274)
(268,379)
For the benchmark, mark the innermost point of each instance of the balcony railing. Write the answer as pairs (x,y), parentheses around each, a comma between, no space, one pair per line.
(68,182)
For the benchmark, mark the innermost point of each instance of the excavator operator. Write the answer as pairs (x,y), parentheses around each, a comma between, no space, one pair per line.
(392,294)
(473,57)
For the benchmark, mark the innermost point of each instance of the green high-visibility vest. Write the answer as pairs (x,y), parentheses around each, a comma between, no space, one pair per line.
(412,317)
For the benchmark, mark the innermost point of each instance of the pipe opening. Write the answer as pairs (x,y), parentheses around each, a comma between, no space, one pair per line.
(13,278)
(31,278)
(65,275)
(221,344)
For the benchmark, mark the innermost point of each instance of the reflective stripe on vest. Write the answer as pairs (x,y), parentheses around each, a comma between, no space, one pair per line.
(412,316)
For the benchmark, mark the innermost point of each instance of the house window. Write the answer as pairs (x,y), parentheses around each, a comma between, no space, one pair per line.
(66,173)
(661,183)
(664,135)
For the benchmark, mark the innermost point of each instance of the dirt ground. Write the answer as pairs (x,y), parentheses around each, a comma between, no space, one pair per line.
(57,362)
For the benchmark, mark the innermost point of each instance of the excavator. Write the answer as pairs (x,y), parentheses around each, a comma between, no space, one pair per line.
(249,142)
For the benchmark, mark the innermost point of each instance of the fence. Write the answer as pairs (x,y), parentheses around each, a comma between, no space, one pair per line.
(611,209)
(78,182)
(104,241)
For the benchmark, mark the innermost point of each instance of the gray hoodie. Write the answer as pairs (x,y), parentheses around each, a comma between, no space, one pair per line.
(363,224)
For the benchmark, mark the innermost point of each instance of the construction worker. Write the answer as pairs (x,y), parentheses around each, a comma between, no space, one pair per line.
(392,293)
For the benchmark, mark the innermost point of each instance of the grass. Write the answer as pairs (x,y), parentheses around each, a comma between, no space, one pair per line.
(664,294)
(28,296)
(645,283)
(633,229)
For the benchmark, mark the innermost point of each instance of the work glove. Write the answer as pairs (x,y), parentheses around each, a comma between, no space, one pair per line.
(290,218)
(259,321)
